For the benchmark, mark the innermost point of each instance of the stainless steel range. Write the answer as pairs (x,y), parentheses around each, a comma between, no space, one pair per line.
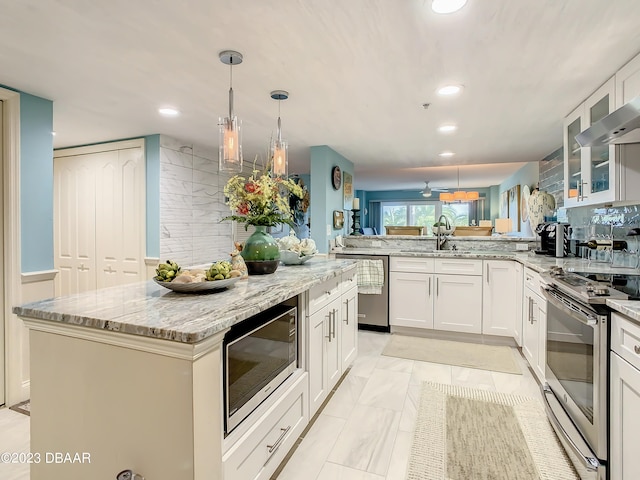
(577,367)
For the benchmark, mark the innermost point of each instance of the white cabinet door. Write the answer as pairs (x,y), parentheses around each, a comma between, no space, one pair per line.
(624,462)
(333,352)
(411,299)
(517,329)
(628,82)
(540,318)
(316,359)
(458,303)
(534,332)
(500,304)
(349,328)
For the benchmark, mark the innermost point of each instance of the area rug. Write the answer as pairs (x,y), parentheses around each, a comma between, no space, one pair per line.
(472,355)
(22,407)
(465,433)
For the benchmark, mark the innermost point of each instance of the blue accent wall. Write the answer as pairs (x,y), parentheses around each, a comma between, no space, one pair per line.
(324,199)
(152,153)
(529,175)
(36,183)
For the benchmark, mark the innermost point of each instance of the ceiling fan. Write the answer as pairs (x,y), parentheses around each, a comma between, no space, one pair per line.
(427,190)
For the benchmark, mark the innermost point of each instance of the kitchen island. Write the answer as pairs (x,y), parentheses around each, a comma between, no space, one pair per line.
(130,377)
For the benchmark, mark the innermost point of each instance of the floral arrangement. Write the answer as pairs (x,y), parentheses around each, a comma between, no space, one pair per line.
(260,199)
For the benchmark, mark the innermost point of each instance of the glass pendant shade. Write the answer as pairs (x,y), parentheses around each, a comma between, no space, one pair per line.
(279,156)
(230,150)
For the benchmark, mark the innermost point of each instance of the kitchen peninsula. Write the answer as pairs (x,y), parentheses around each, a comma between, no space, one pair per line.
(132,375)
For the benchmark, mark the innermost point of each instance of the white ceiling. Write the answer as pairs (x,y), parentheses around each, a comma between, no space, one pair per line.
(358,72)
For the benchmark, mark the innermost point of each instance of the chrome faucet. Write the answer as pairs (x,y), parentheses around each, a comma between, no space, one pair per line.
(440,237)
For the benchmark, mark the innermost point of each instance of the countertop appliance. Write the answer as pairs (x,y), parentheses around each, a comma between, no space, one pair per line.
(373,309)
(577,340)
(555,239)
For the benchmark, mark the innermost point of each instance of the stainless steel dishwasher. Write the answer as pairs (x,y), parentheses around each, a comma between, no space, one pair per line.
(373,310)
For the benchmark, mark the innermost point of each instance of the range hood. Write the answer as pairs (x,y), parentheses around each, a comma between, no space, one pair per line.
(621,126)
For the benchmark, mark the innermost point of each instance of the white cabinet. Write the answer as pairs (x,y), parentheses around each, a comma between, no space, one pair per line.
(500,302)
(332,340)
(349,327)
(458,295)
(590,173)
(624,462)
(534,324)
(411,292)
(628,82)
(517,328)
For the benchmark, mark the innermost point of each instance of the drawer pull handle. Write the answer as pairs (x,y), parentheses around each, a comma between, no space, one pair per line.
(276,445)
(328,292)
(636,349)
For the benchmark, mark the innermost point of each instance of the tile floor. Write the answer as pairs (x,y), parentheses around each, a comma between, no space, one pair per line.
(363,433)
(365,430)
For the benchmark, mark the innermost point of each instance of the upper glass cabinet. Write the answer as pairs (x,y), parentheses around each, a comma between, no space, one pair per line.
(589,172)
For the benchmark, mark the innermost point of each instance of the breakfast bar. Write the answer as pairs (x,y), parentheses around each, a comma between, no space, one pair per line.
(131,376)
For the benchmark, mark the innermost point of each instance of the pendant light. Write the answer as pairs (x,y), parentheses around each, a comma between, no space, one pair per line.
(459,195)
(279,147)
(230,149)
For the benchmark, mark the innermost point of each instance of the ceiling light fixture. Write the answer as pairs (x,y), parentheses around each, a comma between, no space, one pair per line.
(446,154)
(230,149)
(278,146)
(426,192)
(168,112)
(449,90)
(447,6)
(459,195)
(447,128)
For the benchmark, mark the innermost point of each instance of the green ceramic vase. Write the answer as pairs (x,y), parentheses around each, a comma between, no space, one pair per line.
(261,252)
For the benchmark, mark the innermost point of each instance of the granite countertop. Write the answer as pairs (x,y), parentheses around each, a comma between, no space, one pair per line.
(149,310)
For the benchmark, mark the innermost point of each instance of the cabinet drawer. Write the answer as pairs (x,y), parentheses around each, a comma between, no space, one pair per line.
(262,448)
(323,293)
(625,339)
(411,264)
(349,281)
(458,266)
(532,280)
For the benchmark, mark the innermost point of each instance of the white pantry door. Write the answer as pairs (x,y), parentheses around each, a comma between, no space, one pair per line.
(99,216)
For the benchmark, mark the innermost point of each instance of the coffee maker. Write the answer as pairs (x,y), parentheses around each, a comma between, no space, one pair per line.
(555,239)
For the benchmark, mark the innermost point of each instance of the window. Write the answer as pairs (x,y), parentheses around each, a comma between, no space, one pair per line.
(424,213)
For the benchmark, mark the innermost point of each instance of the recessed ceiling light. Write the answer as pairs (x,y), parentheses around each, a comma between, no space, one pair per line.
(447,6)
(446,154)
(168,112)
(448,90)
(447,128)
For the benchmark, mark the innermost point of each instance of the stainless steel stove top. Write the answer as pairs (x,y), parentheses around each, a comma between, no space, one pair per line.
(581,288)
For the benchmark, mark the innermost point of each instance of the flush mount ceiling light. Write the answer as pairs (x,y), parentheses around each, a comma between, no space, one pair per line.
(230,149)
(168,112)
(449,90)
(447,6)
(278,146)
(447,128)
(446,154)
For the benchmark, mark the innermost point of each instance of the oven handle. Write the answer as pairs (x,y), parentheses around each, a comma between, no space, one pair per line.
(584,454)
(583,318)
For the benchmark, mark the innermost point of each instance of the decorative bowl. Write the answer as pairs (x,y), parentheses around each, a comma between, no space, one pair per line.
(293,258)
(199,287)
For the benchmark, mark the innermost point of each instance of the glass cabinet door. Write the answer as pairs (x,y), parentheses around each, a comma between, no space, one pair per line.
(574,159)
(600,154)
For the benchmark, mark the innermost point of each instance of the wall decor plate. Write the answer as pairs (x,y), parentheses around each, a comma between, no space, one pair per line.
(199,287)
(338,219)
(336,177)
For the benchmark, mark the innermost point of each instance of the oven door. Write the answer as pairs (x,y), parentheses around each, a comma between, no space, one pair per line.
(576,366)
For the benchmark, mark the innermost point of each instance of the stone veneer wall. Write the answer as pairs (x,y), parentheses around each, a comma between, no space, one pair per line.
(192,204)
(552,176)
